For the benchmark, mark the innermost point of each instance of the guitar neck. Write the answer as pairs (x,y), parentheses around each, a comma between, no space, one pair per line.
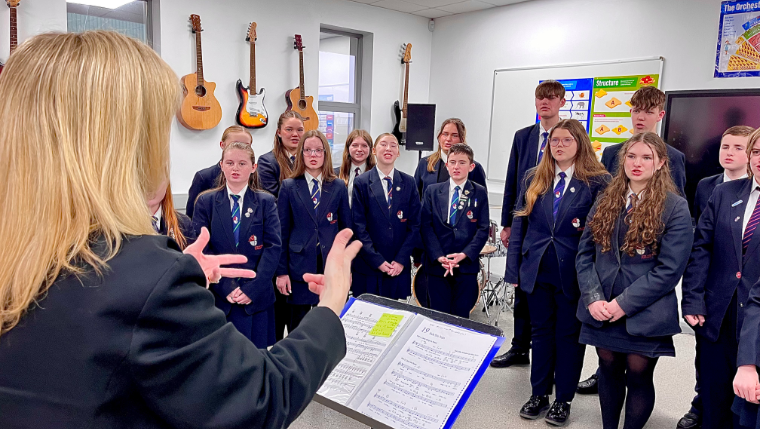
(14,36)
(301,74)
(404,99)
(252,69)
(199,62)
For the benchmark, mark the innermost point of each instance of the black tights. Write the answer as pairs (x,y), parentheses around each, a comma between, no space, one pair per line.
(629,376)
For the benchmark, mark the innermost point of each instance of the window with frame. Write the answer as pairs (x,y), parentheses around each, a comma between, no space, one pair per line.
(339,87)
(131,18)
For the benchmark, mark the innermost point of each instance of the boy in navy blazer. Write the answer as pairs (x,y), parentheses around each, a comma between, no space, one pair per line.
(386,211)
(526,152)
(454,228)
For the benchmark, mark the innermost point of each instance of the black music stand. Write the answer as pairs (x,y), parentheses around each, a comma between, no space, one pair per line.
(397,305)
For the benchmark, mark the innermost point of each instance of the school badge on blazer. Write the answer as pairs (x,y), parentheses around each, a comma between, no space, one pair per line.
(253,240)
(400,215)
(575,222)
(330,218)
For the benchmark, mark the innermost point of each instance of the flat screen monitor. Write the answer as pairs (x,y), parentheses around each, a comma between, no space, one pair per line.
(695,121)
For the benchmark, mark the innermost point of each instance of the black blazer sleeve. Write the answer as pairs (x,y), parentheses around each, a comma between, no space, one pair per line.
(511,180)
(474,247)
(284,215)
(674,250)
(414,230)
(270,258)
(518,231)
(590,286)
(608,158)
(268,172)
(677,167)
(428,235)
(197,186)
(478,175)
(693,302)
(186,227)
(360,222)
(194,369)
(748,344)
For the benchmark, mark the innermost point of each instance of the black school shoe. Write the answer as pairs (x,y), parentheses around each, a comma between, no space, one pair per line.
(589,386)
(511,357)
(689,421)
(535,406)
(558,415)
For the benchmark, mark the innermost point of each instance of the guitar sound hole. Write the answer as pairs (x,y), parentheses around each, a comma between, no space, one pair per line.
(200,91)
(302,104)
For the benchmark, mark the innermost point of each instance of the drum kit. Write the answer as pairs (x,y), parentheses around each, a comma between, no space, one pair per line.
(493,291)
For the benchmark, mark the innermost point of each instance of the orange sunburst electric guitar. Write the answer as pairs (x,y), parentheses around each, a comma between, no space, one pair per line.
(200,110)
(251,110)
(295,97)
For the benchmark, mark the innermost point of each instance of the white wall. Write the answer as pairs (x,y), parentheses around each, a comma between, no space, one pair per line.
(226,59)
(468,48)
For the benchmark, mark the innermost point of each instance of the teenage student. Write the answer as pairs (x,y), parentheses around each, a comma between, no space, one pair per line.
(242,219)
(275,167)
(386,212)
(208,178)
(356,159)
(746,381)
(432,169)
(278,164)
(313,207)
(527,151)
(168,221)
(554,201)
(454,228)
(631,256)
(734,160)
(723,268)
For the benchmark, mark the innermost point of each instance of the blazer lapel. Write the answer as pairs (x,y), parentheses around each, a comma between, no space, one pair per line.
(465,194)
(737,226)
(547,206)
(397,193)
(534,145)
(377,189)
(251,205)
(325,199)
(304,195)
(444,204)
(442,174)
(570,195)
(615,239)
(222,207)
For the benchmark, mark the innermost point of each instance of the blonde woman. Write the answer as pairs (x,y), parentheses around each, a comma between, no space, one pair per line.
(104,322)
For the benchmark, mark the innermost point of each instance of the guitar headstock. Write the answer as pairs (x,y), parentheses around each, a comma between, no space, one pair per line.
(196,23)
(405,50)
(251,36)
(12,3)
(298,42)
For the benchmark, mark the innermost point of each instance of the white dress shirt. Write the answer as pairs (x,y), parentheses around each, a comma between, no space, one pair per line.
(383,182)
(351,182)
(309,178)
(750,205)
(725,177)
(443,155)
(452,191)
(240,200)
(157,215)
(569,172)
(539,142)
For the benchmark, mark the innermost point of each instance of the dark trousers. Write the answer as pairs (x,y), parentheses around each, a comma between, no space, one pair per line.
(522,326)
(696,407)
(556,351)
(454,295)
(257,327)
(294,315)
(718,368)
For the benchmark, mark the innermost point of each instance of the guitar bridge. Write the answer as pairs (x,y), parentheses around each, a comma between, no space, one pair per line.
(201,108)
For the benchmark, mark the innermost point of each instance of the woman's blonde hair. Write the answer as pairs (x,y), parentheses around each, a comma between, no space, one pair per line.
(346,161)
(235,129)
(586,164)
(436,156)
(85,138)
(753,138)
(645,221)
(300,167)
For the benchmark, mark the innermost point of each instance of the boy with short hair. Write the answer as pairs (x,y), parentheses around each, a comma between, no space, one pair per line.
(454,228)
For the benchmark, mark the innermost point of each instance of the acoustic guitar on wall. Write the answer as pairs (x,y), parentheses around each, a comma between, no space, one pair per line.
(12,4)
(296,99)
(251,110)
(400,115)
(200,110)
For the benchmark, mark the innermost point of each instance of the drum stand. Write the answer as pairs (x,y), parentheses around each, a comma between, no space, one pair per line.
(494,290)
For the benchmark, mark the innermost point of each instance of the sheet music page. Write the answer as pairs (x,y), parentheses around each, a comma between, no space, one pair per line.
(427,377)
(363,350)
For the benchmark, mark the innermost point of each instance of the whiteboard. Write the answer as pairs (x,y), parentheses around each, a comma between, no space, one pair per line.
(513,99)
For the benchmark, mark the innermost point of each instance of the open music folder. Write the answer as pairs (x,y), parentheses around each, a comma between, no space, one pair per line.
(406,370)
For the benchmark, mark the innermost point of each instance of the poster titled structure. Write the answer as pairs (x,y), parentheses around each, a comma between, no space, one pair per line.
(738,40)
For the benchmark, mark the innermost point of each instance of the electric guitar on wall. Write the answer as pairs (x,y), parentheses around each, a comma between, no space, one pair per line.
(251,110)
(200,110)
(400,115)
(12,4)
(295,97)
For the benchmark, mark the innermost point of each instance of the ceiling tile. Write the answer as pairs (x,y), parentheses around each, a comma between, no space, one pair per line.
(466,6)
(434,3)
(432,13)
(364,1)
(401,6)
(502,2)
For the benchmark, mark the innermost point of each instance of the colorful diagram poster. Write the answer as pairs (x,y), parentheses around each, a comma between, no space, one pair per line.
(578,104)
(738,40)
(611,122)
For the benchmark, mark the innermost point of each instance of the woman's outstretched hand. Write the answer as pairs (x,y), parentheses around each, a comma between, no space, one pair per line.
(212,264)
(333,286)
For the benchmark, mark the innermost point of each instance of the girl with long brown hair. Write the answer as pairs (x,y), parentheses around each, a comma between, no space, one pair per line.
(168,221)
(631,256)
(278,164)
(242,219)
(356,159)
(554,200)
(313,207)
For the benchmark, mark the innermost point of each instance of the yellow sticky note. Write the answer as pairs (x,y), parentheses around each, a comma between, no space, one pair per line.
(600,93)
(386,325)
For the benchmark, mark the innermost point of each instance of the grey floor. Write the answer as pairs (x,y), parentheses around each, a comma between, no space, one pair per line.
(500,394)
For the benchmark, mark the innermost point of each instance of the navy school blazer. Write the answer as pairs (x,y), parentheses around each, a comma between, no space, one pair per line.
(531,236)
(259,241)
(610,159)
(469,234)
(748,343)
(386,235)
(717,267)
(650,301)
(302,230)
(185,224)
(424,178)
(704,190)
(268,171)
(523,157)
(203,180)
